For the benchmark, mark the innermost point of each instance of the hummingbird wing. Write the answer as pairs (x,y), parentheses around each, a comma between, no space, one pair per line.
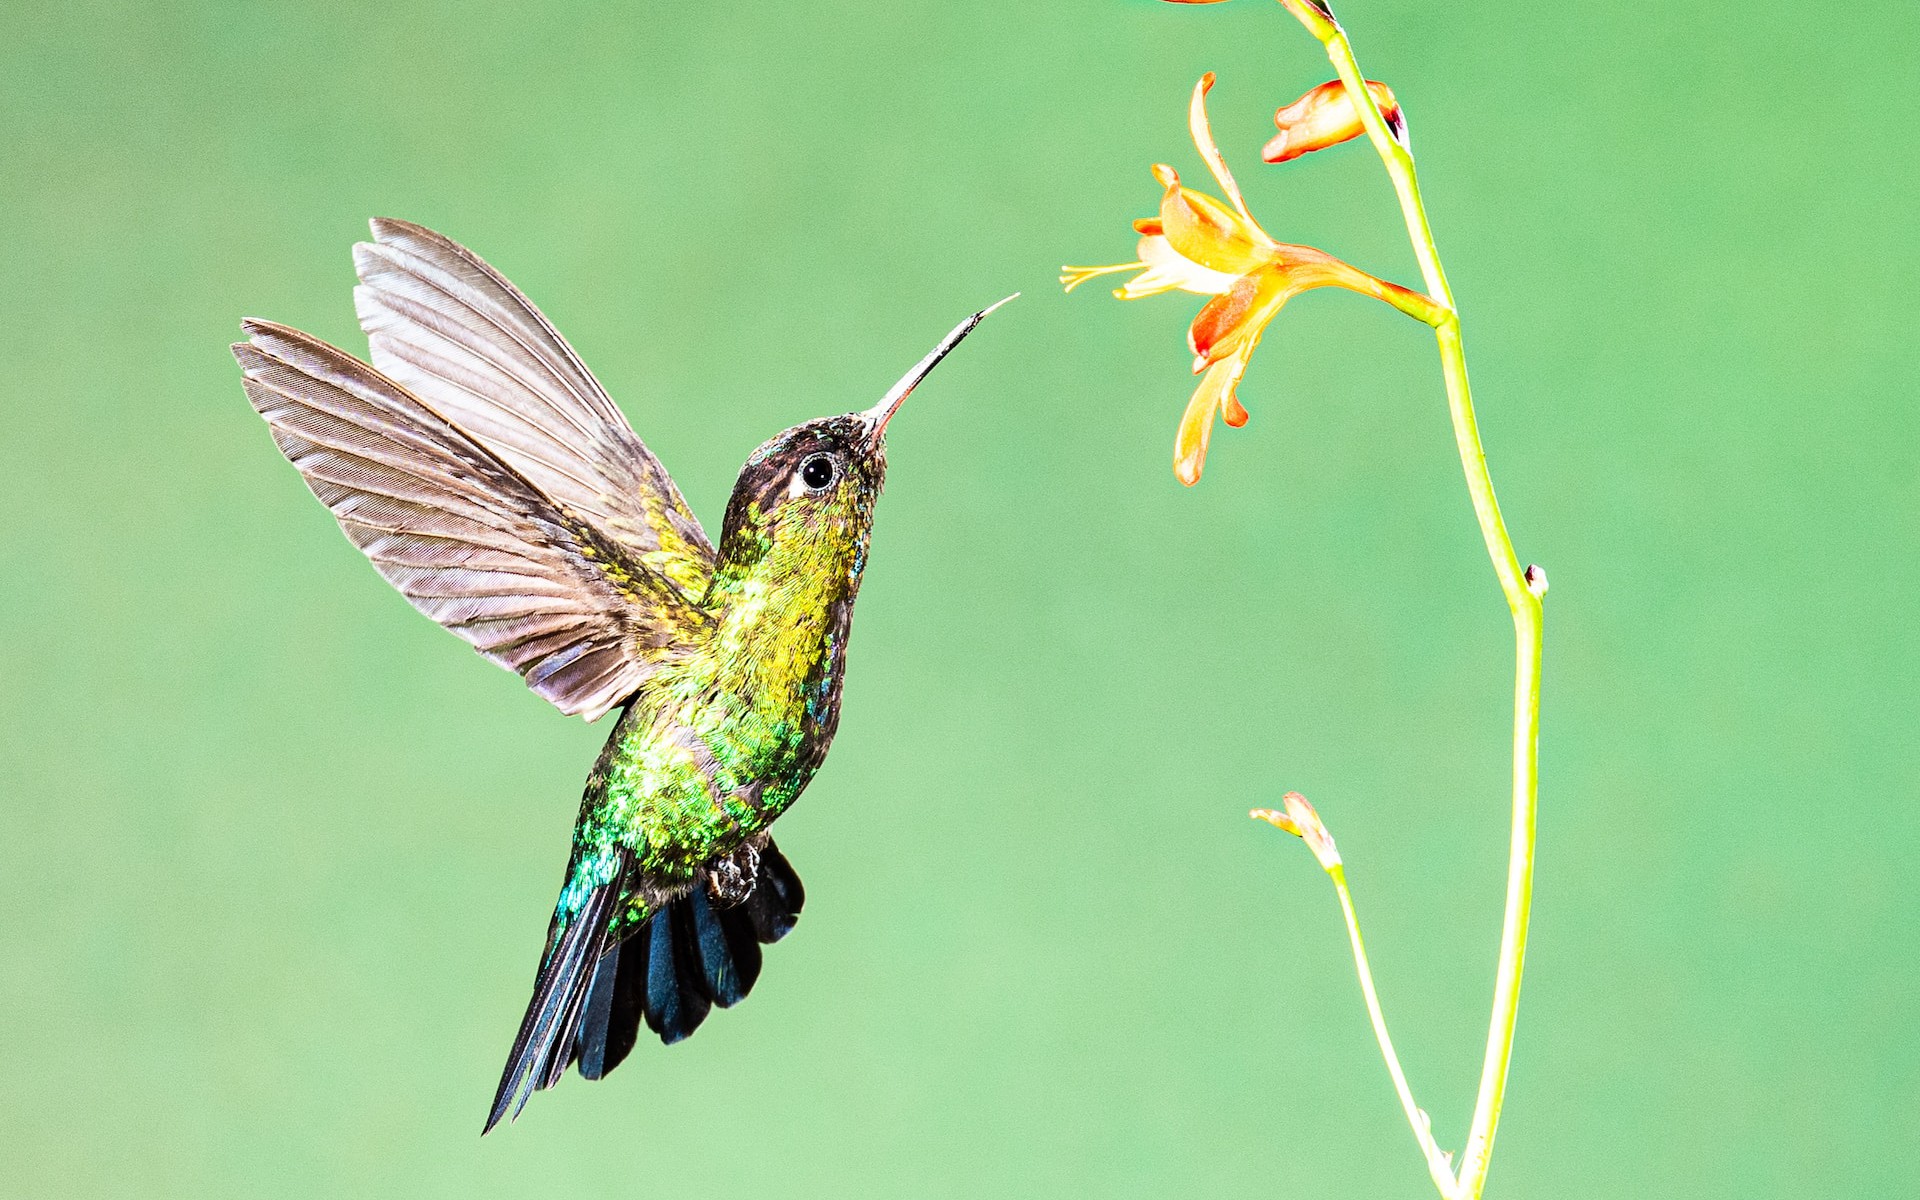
(450,329)
(467,537)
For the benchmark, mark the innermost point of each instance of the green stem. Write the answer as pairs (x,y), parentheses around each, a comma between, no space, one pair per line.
(1399,163)
(1437,1164)
(1523,590)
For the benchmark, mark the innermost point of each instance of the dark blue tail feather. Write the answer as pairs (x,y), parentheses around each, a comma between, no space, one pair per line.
(590,999)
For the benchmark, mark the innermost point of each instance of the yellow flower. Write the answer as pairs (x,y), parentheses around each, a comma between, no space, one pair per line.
(1200,245)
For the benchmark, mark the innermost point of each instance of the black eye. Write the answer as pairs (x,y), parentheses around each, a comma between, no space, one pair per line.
(817,472)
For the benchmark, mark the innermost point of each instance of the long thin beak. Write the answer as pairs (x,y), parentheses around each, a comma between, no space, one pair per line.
(878,416)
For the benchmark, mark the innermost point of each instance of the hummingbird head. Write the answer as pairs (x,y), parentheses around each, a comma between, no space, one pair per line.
(802,508)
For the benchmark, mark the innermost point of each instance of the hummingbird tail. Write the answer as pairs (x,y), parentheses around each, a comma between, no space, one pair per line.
(541,1049)
(589,999)
(692,955)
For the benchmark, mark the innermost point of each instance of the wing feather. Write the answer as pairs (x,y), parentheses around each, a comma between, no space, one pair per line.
(462,531)
(454,332)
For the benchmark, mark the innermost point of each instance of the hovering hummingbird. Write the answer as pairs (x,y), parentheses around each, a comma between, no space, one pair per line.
(492,481)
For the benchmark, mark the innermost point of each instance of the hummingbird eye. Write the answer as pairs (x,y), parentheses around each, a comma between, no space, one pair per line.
(818,472)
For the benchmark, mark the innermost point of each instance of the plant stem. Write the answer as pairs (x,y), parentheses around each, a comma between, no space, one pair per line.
(1438,1165)
(1523,590)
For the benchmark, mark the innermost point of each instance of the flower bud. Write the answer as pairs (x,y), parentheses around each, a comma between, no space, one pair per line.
(1304,823)
(1327,116)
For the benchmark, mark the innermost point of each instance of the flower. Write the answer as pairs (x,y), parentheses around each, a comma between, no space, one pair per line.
(1327,116)
(1303,822)
(1200,245)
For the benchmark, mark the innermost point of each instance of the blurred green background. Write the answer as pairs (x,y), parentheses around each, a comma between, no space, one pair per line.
(276,854)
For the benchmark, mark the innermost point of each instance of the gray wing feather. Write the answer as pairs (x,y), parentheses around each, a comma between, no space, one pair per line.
(453,331)
(461,531)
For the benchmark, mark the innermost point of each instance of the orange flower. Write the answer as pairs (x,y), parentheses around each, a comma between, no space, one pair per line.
(1200,245)
(1327,116)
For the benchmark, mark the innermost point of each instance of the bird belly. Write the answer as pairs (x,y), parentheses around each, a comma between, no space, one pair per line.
(684,806)
(678,796)
(696,770)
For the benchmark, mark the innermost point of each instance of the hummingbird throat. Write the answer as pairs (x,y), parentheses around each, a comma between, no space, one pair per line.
(782,598)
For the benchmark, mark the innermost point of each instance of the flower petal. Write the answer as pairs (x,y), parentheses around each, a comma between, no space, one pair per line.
(1222,316)
(1203,141)
(1312,830)
(1228,321)
(1204,230)
(1271,816)
(1196,424)
(1190,439)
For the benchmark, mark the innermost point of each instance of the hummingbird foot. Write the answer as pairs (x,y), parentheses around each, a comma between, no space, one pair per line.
(730,878)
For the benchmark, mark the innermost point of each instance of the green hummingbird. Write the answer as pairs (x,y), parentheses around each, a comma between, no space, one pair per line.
(491,479)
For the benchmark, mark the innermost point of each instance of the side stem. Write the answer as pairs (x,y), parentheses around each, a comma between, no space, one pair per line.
(1438,1164)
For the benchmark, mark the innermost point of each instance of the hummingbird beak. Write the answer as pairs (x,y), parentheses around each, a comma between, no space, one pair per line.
(878,416)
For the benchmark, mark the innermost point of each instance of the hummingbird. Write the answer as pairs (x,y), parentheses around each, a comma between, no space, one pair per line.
(492,480)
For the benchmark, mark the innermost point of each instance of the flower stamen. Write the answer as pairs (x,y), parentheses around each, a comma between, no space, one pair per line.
(1073,277)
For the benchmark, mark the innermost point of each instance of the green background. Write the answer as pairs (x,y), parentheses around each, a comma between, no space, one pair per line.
(276,855)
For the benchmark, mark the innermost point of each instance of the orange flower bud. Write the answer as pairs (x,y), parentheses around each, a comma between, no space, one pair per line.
(1327,116)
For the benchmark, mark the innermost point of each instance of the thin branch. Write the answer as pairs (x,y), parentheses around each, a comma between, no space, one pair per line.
(1439,1162)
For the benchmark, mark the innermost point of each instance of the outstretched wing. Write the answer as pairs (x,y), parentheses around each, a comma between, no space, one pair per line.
(450,329)
(466,536)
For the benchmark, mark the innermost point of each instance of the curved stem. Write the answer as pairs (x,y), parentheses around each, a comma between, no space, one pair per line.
(1525,607)
(1523,590)
(1438,1165)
